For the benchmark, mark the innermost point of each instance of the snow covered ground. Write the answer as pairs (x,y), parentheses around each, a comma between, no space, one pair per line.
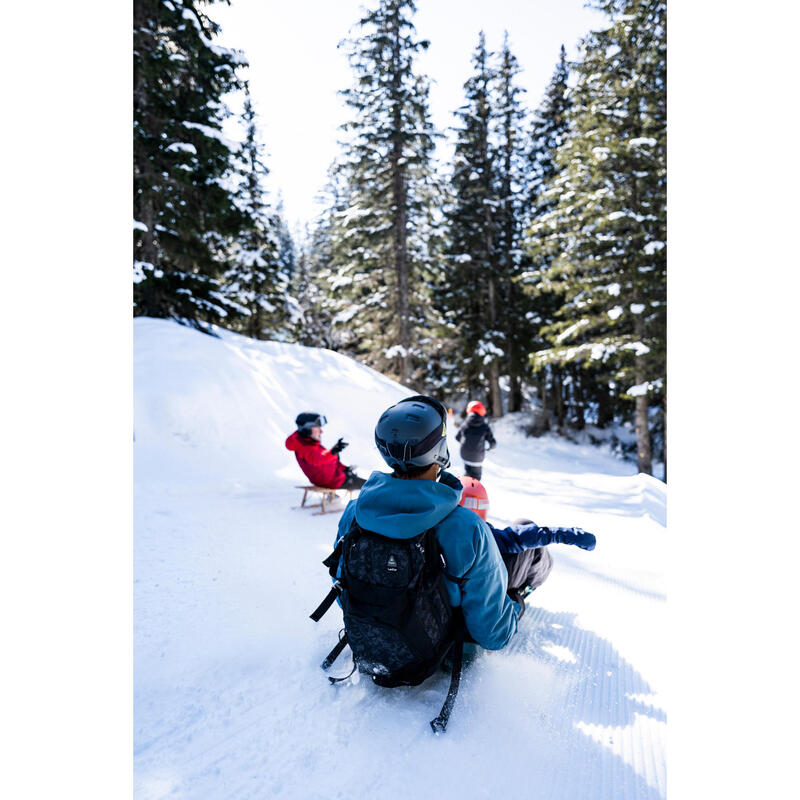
(229,699)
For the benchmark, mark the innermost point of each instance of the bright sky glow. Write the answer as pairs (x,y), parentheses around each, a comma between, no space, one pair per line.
(296,70)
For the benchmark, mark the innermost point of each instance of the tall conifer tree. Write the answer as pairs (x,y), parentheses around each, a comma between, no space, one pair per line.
(184,208)
(287,255)
(313,323)
(511,178)
(607,224)
(548,132)
(382,262)
(469,295)
(257,281)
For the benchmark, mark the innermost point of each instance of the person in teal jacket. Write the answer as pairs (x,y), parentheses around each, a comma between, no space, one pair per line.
(401,508)
(412,438)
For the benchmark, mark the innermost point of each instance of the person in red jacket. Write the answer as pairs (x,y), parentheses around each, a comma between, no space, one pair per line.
(321,466)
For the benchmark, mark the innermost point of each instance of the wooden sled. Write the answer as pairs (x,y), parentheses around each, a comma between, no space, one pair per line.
(325,495)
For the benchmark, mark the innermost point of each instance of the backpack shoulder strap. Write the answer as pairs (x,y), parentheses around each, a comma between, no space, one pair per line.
(433,543)
(332,563)
(439,725)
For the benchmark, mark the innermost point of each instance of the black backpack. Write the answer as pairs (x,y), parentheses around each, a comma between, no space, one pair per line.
(398,620)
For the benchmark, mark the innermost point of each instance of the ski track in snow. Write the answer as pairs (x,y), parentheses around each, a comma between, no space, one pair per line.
(229,700)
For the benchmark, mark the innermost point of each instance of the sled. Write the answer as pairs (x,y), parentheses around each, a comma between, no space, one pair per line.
(325,496)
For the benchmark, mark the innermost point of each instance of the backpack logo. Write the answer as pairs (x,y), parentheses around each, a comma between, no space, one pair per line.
(391,564)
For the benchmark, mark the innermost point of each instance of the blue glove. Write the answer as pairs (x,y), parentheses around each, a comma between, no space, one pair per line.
(577,536)
(516,538)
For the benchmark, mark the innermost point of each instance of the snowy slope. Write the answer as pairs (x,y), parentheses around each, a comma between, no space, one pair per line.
(229,698)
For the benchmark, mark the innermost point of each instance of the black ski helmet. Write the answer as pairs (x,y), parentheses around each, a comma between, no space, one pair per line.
(308,420)
(413,433)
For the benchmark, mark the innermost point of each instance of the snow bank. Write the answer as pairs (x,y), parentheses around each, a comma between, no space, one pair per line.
(215,410)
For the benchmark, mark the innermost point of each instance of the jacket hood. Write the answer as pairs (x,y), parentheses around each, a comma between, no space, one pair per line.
(403,509)
(295,441)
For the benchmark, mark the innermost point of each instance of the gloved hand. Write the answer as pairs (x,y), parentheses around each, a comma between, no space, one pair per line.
(492,445)
(339,446)
(448,479)
(516,538)
(577,536)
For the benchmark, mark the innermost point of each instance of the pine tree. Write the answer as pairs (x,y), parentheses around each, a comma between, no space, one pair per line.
(257,282)
(324,264)
(608,219)
(312,325)
(511,178)
(468,296)
(286,247)
(382,262)
(548,133)
(184,207)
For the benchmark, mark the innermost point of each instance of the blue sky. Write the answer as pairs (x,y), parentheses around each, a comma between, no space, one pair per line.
(296,69)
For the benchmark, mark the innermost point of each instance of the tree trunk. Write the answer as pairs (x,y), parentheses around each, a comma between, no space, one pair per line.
(558,398)
(515,387)
(664,412)
(399,198)
(540,422)
(643,449)
(144,208)
(496,398)
(577,397)
(604,407)
(543,389)
(643,458)
(643,455)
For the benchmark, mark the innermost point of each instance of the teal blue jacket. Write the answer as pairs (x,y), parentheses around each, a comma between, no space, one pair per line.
(401,509)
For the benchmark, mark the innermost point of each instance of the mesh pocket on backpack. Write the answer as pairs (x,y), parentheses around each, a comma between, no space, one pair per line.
(378,649)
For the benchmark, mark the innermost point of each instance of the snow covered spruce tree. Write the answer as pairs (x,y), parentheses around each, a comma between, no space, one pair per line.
(468,296)
(314,284)
(287,256)
(184,210)
(312,325)
(382,262)
(484,225)
(510,185)
(607,226)
(548,132)
(257,282)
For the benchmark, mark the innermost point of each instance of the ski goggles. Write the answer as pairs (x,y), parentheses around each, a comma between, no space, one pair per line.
(313,422)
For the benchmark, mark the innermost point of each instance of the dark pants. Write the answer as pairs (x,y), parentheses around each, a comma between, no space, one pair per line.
(352,481)
(473,472)
(528,568)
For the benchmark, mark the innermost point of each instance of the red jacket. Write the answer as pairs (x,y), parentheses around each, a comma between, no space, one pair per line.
(319,465)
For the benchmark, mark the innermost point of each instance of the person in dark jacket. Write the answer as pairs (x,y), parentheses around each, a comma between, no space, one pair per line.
(473,435)
(321,466)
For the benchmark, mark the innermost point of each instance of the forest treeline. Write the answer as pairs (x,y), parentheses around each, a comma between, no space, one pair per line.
(528,271)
